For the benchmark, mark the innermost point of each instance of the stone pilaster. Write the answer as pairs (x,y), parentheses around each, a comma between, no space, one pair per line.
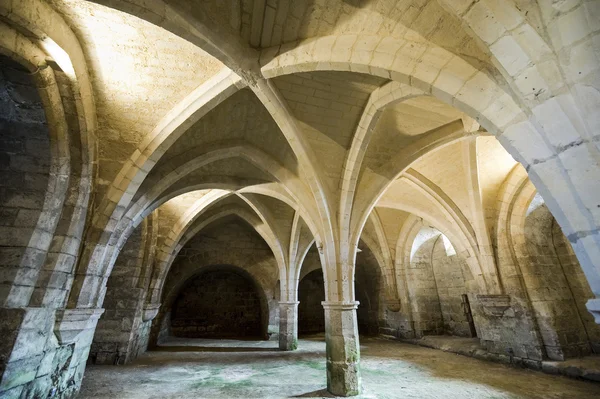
(343,350)
(43,351)
(288,326)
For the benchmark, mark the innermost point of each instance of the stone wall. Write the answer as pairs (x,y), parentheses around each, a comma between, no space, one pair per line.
(505,327)
(24,174)
(161,328)
(448,270)
(43,350)
(423,291)
(397,323)
(578,285)
(550,290)
(435,283)
(117,338)
(541,313)
(57,273)
(143,337)
(217,304)
(231,242)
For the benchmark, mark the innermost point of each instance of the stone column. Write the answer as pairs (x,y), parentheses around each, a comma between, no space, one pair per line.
(288,325)
(343,351)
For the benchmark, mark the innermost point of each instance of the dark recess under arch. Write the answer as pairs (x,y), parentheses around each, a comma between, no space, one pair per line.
(220,302)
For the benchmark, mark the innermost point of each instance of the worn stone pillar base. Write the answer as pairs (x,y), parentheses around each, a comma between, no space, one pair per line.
(343,353)
(288,326)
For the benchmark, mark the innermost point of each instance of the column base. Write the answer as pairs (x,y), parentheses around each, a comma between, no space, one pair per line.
(343,353)
(343,379)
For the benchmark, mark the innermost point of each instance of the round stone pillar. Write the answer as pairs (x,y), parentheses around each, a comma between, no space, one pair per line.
(288,325)
(343,350)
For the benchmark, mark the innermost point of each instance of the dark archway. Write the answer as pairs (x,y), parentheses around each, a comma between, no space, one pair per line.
(220,302)
(311,292)
(367,290)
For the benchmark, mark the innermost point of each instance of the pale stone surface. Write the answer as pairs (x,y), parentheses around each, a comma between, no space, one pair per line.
(437,160)
(288,326)
(343,351)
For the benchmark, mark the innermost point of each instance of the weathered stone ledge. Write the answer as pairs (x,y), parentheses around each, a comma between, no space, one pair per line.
(586,368)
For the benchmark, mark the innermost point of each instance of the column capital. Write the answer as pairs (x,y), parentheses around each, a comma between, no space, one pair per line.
(344,305)
(150,311)
(69,323)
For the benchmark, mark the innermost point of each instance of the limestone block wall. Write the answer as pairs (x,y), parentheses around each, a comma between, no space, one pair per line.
(507,331)
(162,331)
(556,294)
(423,292)
(24,173)
(143,337)
(117,335)
(544,292)
(436,280)
(450,281)
(552,300)
(36,359)
(115,340)
(232,243)
(578,285)
(397,324)
(217,304)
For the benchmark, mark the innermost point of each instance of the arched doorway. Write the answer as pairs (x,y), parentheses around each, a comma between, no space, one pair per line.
(367,289)
(311,292)
(221,302)
(437,283)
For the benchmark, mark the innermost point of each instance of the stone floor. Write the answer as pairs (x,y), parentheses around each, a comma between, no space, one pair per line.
(256,369)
